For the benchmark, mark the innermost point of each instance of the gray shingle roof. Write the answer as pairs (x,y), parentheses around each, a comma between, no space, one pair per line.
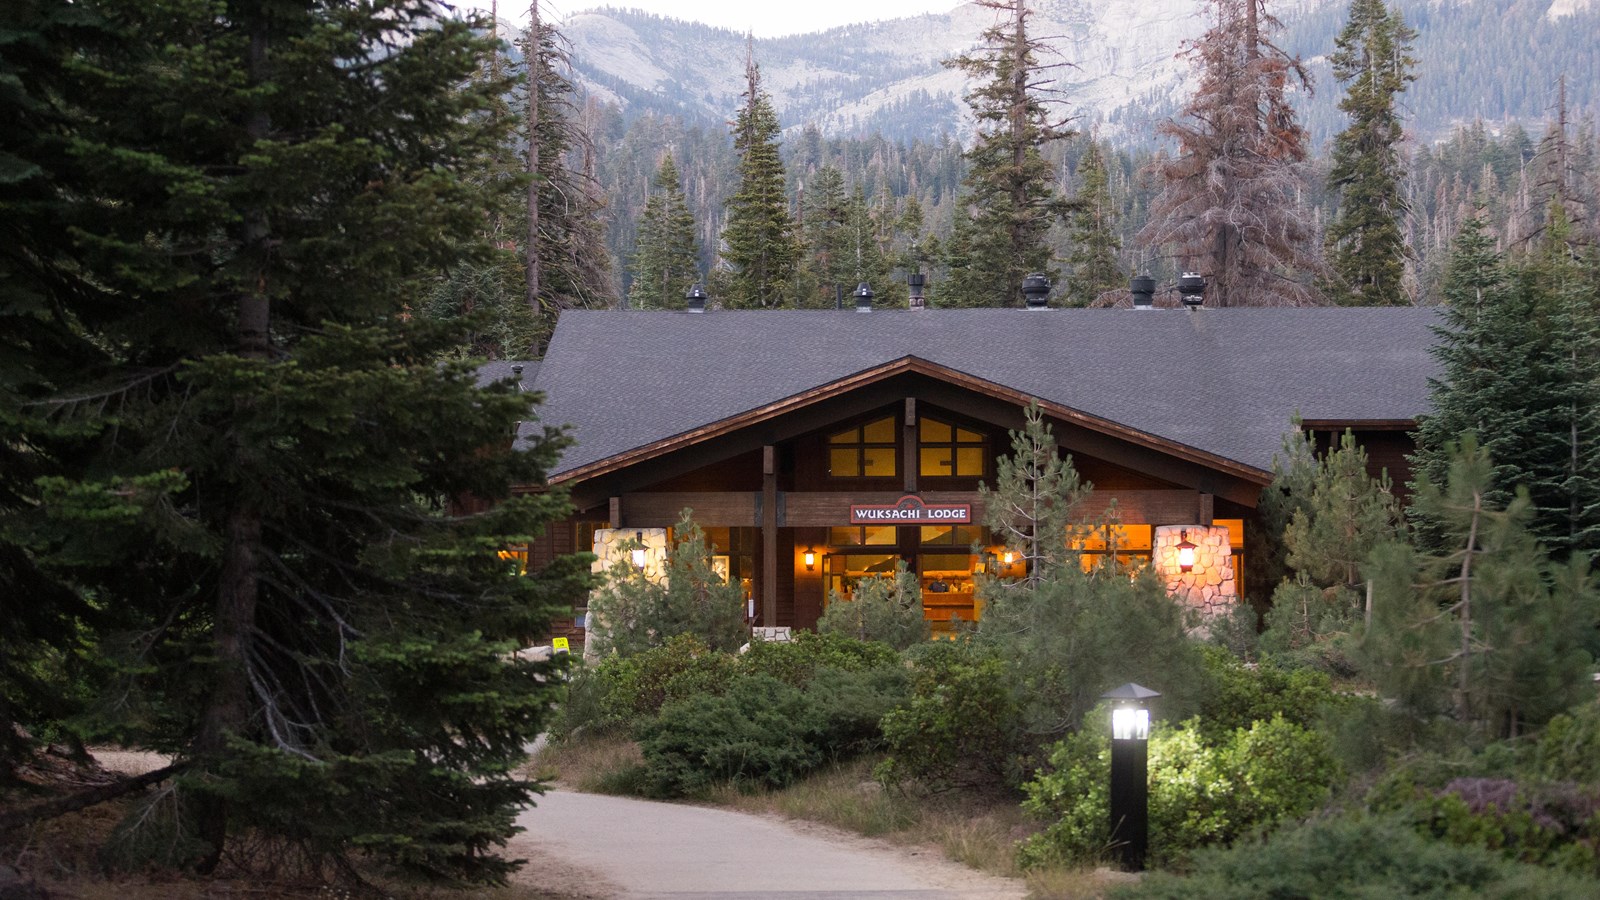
(1224,381)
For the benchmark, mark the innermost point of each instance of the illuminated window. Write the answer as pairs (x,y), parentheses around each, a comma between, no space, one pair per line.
(945,449)
(863,536)
(868,451)
(957,535)
(1129,543)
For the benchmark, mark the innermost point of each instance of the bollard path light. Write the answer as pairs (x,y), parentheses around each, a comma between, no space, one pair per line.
(1130,781)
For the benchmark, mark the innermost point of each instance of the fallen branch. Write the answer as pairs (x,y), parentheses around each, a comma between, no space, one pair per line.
(60,806)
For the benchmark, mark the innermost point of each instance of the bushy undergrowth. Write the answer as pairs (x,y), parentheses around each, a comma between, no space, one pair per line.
(886,609)
(1358,859)
(1203,791)
(961,726)
(758,719)
(1535,801)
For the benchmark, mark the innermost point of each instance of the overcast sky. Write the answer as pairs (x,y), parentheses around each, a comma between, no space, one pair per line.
(767,18)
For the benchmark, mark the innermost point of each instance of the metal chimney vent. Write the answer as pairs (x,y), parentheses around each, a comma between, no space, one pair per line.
(696,298)
(1143,288)
(1036,290)
(914,281)
(1192,289)
(863,297)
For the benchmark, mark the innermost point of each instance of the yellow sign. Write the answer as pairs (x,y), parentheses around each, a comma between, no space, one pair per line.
(560,645)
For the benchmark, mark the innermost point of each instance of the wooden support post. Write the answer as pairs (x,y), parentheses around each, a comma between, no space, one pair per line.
(616,512)
(1207,504)
(769,536)
(908,446)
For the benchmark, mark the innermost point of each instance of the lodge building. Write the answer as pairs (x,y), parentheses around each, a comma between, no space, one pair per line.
(818,447)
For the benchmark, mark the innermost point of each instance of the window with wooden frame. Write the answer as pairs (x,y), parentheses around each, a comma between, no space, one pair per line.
(949,450)
(866,451)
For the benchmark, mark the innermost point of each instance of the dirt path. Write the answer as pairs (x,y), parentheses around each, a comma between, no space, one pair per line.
(592,846)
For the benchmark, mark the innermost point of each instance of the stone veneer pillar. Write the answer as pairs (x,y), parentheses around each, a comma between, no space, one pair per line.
(1209,588)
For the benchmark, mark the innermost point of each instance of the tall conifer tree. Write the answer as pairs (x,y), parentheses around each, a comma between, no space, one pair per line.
(666,262)
(1373,59)
(257,449)
(567,263)
(1011,199)
(1518,354)
(1231,207)
(1093,232)
(758,241)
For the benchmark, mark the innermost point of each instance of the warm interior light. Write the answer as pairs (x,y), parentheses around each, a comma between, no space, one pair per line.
(1009,558)
(811,560)
(1130,724)
(1185,552)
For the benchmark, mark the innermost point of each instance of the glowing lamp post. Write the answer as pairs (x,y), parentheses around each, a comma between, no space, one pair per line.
(1130,781)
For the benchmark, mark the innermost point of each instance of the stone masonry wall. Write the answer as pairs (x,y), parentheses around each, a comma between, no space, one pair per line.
(1210,587)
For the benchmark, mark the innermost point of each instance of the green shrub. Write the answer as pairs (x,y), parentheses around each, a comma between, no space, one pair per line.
(961,727)
(1201,794)
(638,686)
(883,608)
(632,612)
(1358,859)
(1072,636)
(759,733)
(1238,696)
(1534,799)
(850,706)
(795,662)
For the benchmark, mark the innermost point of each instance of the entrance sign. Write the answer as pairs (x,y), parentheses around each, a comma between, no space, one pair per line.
(911,510)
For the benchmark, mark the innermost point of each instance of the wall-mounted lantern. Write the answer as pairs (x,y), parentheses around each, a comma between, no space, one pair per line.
(811,560)
(1186,550)
(1009,557)
(638,555)
(1130,779)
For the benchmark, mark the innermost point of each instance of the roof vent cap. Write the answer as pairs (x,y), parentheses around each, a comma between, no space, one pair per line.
(914,281)
(1192,289)
(1036,290)
(1143,288)
(696,297)
(863,297)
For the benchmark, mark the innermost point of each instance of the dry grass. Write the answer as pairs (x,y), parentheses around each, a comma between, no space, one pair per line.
(599,763)
(1074,884)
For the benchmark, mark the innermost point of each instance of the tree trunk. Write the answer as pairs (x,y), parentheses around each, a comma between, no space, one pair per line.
(535,69)
(226,710)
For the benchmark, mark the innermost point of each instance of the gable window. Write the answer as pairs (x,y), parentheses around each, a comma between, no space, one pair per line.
(948,450)
(866,451)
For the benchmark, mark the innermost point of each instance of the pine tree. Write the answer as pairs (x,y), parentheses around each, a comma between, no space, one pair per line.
(1344,515)
(827,263)
(1035,508)
(1373,59)
(1518,357)
(1010,198)
(1231,205)
(266,449)
(1487,627)
(864,258)
(758,240)
(44,637)
(666,262)
(1093,233)
(567,264)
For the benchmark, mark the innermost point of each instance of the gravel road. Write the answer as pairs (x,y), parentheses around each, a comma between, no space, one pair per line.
(588,845)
